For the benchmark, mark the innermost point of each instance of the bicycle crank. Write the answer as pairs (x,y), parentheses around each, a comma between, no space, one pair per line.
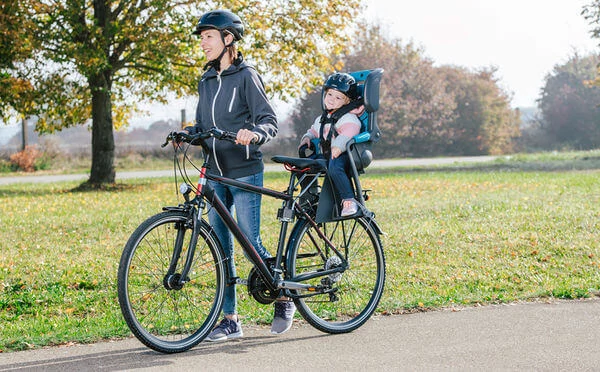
(259,290)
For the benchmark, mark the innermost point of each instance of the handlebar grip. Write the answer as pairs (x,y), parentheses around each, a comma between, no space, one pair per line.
(199,137)
(223,135)
(177,137)
(302,151)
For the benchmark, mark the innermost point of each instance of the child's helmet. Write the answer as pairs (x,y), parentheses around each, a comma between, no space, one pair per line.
(222,20)
(342,82)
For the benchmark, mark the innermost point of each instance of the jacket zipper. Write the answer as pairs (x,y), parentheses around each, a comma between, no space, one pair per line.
(232,99)
(230,108)
(215,124)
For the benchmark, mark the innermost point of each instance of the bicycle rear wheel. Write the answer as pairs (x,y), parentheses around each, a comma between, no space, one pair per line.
(166,317)
(356,291)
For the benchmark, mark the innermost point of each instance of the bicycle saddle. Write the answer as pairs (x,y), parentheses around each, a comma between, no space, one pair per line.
(312,165)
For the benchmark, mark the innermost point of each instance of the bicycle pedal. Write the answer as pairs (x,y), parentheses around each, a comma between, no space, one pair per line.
(241,281)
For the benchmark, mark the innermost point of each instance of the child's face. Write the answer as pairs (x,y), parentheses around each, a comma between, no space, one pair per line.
(334,99)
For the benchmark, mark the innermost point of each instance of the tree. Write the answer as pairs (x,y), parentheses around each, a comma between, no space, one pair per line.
(306,109)
(425,110)
(99,58)
(414,103)
(591,13)
(15,88)
(484,122)
(569,104)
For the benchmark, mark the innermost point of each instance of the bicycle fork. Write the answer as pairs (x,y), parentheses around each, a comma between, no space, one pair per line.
(172,279)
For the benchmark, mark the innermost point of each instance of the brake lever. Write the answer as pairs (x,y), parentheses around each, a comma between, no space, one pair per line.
(167,140)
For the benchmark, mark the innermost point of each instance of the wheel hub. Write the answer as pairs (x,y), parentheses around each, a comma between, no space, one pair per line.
(173,282)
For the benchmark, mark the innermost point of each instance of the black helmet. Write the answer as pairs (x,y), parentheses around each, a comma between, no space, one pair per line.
(222,20)
(345,83)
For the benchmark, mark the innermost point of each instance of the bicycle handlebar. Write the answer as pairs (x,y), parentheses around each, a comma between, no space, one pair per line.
(191,138)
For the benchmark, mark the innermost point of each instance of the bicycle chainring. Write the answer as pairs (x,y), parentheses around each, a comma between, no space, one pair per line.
(258,289)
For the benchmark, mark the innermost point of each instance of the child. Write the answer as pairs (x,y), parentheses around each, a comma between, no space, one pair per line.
(339,90)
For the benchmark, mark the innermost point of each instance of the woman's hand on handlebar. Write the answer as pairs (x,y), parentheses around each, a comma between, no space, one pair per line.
(175,138)
(178,138)
(243,137)
(246,137)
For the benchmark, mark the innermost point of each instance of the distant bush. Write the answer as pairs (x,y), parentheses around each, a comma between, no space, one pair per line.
(25,160)
(6,166)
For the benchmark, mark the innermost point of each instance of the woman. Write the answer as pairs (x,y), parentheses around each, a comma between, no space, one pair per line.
(232,98)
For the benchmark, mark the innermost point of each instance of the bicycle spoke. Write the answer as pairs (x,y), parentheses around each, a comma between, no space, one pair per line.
(356,290)
(164,314)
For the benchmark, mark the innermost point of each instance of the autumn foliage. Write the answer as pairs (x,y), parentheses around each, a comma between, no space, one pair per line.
(570,115)
(26,160)
(426,110)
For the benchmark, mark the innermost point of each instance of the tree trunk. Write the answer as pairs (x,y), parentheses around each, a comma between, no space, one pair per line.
(103,141)
(24,134)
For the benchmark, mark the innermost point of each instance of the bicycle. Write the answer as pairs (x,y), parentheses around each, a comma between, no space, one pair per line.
(172,271)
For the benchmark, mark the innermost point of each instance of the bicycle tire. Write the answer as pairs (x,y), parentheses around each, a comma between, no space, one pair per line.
(170,320)
(357,290)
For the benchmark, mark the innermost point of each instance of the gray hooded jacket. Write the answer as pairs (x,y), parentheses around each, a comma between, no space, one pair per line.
(230,101)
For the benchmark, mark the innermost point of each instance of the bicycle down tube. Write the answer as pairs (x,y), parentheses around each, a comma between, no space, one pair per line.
(274,282)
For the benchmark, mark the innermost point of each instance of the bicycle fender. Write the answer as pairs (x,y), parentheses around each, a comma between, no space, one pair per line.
(173,209)
(371,220)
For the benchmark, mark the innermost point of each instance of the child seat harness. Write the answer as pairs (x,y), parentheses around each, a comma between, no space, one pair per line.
(331,119)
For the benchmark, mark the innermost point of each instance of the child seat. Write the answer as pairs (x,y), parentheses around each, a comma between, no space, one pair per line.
(368,87)
(368,82)
(359,147)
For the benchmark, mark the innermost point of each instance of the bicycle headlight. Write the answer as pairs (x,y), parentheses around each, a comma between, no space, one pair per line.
(185,189)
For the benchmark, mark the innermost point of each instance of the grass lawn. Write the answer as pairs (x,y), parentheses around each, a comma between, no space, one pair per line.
(515,229)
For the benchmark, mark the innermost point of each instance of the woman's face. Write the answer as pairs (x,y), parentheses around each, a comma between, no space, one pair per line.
(334,99)
(211,43)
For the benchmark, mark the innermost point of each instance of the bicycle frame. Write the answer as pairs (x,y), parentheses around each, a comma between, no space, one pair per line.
(173,310)
(274,281)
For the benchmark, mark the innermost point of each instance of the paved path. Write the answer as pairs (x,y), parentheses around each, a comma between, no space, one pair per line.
(553,336)
(269,167)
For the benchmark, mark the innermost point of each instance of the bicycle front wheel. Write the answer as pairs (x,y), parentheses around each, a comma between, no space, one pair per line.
(354,293)
(165,316)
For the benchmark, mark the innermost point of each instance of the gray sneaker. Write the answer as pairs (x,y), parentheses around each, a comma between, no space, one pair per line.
(228,329)
(284,315)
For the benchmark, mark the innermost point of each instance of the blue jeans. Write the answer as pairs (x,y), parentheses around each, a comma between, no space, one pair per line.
(338,170)
(248,218)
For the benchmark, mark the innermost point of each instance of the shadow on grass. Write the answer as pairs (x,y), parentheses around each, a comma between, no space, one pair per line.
(109,187)
(63,188)
(505,165)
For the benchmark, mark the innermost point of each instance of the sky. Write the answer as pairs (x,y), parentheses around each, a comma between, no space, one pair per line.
(523,39)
